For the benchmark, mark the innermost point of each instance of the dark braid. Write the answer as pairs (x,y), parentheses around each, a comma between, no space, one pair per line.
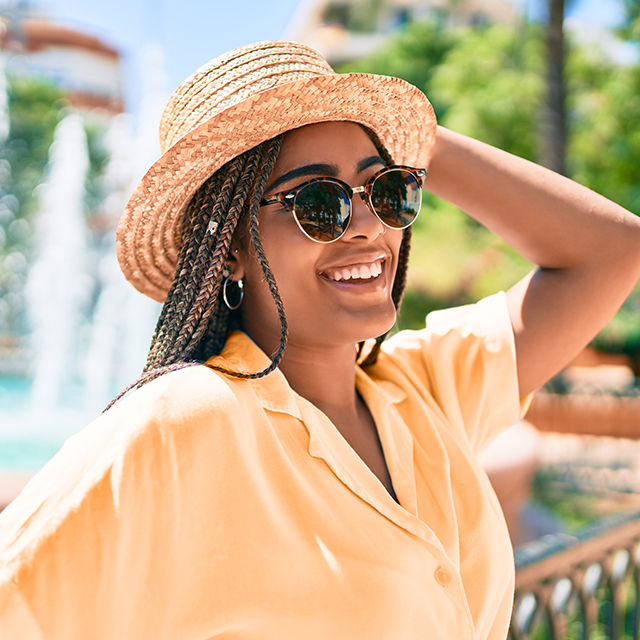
(194,321)
(400,281)
(199,273)
(268,274)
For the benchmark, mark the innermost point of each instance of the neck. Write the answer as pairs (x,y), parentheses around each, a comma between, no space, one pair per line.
(325,377)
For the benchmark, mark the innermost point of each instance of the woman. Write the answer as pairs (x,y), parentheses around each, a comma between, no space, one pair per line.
(299,495)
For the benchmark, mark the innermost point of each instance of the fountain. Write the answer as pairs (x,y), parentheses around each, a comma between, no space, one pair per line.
(59,285)
(123,319)
(90,328)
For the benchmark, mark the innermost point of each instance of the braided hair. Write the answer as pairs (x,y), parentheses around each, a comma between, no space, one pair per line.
(194,322)
(400,281)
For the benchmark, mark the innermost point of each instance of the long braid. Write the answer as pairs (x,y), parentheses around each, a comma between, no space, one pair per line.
(208,269)
(194,322)
(271,155)
(201,248)
(192,234)
(400,281)
(198,284)
(225,320)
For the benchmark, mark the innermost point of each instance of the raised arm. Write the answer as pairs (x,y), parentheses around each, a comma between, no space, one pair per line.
(587,247)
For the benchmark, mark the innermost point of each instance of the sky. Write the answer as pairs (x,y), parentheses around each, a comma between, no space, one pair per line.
(192,32)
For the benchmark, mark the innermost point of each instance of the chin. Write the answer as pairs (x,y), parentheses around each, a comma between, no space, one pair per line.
(380,327)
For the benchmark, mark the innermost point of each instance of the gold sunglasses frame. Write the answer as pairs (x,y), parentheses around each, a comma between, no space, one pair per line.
(287,198)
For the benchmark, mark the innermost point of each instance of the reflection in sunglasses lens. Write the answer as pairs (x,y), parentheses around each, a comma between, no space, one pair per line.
(323,207)
(322,210)
(396,197)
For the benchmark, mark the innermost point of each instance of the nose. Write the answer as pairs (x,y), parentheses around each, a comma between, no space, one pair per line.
(364,222)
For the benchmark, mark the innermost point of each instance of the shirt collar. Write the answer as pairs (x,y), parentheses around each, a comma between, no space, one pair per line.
(243,355)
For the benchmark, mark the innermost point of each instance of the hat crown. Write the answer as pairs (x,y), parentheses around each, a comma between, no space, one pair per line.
(233,77)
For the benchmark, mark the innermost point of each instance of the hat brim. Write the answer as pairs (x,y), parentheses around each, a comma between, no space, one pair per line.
(148,239)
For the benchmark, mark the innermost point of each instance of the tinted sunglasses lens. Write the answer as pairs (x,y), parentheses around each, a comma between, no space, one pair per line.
(322,210)
(396,196)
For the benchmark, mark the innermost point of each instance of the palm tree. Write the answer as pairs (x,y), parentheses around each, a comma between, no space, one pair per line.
(553,127)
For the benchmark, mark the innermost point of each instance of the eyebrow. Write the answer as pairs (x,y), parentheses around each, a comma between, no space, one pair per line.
(329,170)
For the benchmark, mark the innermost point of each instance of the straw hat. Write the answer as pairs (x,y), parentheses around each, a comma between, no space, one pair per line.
(232,104)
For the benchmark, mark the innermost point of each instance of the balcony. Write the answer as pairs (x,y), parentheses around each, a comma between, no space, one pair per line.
(585,584)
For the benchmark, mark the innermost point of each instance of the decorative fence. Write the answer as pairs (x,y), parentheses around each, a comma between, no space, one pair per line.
(582,587)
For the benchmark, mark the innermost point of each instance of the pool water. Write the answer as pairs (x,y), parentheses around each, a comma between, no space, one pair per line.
(28,439)
(14,393)
(26,455)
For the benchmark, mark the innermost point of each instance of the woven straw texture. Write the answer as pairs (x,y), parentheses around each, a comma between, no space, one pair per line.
(236,102)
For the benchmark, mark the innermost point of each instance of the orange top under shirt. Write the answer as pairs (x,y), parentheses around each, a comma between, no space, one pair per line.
(206,506)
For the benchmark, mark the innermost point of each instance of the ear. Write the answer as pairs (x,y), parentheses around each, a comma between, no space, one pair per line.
(235,262)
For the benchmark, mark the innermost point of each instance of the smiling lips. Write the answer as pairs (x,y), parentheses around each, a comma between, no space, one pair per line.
(355,272)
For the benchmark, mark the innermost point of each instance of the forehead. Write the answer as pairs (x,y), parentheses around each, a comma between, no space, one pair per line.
(342,144)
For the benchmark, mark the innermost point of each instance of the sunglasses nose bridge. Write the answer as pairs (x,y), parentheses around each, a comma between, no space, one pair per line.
(364,196)
(368,223)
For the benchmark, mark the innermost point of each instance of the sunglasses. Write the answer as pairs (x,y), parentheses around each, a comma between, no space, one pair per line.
(322,206)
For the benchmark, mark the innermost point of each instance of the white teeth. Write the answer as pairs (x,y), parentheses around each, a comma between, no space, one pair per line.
(360,272)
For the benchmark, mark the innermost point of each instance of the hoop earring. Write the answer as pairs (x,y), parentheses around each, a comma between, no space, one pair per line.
(231,307)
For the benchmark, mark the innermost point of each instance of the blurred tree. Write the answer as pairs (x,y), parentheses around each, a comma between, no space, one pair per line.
(34,110)
(490,84)
(485,82)
(604,145)
(553,125)
(631,28)
(412,55)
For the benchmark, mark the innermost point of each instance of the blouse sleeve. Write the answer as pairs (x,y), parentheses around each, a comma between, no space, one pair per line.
(79,547)
(465,361)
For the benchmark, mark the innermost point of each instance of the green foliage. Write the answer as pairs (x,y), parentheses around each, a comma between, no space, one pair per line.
(631,27)
(98,158)
(35,108)
(484,82)
(622,334)
(454,261)
(492,87)
(604,147)
(572,505)
(412,55)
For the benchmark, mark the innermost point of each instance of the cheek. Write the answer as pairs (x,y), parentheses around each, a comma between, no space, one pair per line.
(309,305)
(394,242)
(291,256)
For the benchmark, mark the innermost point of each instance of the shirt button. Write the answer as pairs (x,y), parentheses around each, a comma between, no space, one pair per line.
(443,577)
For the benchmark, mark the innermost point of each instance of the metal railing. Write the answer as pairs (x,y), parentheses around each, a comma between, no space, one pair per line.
(585,586)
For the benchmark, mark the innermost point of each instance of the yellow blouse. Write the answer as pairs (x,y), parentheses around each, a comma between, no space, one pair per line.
(206,506)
